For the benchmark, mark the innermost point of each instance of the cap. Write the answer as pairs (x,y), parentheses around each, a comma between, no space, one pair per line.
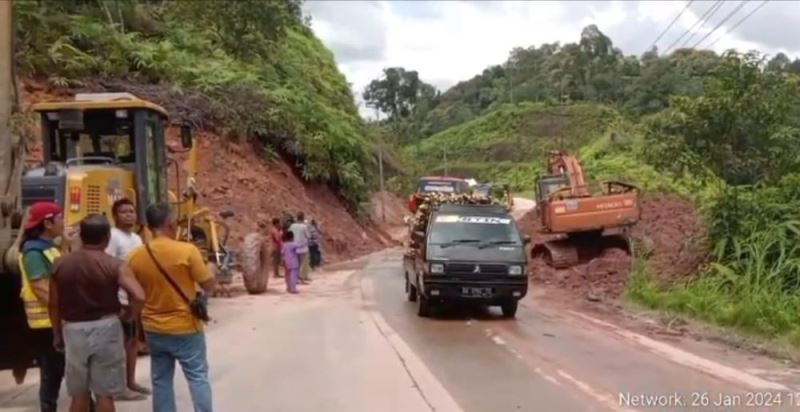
(39,212)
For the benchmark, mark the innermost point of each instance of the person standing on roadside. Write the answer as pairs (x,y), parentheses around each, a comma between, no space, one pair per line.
(85,313)
(314,252)
(169,271)
(276,236)
(123,241)
(38,252)
(301,234)
(291,261)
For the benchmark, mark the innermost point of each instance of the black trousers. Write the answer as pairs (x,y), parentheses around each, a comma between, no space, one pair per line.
(315,255)
(51,370)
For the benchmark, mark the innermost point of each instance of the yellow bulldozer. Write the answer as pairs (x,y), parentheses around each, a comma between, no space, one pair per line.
(102,147)
(96,149)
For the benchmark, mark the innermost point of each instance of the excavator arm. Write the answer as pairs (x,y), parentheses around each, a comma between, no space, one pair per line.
(560,162)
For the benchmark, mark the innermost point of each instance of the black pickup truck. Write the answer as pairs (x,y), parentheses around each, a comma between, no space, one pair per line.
(471,254)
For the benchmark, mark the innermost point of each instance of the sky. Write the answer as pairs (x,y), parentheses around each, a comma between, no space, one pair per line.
(450,41)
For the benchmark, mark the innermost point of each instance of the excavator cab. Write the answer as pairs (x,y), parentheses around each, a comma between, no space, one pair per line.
(548,184)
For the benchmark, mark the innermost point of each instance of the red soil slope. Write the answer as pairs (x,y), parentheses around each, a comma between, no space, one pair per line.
(231,175)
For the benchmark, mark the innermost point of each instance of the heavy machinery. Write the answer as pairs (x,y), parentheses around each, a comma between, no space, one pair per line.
(574,220)
(96,149)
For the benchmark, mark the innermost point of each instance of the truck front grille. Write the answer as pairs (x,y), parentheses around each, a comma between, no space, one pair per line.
(469,269)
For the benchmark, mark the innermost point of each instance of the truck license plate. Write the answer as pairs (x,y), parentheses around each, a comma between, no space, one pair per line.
(477,292)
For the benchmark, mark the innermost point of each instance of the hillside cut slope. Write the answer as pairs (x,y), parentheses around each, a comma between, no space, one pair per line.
(510,142)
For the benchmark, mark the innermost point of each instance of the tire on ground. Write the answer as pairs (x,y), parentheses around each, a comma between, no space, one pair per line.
(255,263)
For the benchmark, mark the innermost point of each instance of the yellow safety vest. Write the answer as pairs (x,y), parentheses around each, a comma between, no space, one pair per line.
(37,313)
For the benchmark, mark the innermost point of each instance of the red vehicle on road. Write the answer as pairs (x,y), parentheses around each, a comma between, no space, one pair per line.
(436,184)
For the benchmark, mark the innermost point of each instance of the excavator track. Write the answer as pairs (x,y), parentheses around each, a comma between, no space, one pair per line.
(566,252)
(560,254)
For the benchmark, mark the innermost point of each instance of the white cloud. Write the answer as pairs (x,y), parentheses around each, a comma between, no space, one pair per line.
(450,41)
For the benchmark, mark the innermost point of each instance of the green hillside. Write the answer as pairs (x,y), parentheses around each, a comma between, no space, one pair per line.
(246,68)
(510,142)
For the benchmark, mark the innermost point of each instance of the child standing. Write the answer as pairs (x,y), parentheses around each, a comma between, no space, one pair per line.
(291,261)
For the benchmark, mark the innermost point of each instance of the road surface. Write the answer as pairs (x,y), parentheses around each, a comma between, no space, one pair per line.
(351,342)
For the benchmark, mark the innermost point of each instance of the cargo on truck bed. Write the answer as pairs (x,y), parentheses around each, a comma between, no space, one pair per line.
(465,250)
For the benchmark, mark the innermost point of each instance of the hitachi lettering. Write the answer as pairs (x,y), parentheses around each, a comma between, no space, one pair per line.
(611,205)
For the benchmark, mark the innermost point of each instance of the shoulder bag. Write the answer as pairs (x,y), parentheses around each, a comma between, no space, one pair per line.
(198,305)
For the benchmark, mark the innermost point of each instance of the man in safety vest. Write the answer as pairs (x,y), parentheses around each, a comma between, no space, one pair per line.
(38,252)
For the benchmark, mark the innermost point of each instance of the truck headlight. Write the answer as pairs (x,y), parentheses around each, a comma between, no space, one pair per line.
(515,270)
(437,268)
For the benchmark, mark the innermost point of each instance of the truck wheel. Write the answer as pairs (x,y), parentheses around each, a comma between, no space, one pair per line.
(411,291)
(423,306)
(509,309)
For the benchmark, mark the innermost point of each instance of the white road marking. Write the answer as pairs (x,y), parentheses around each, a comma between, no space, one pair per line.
(608,400)
(432,390)
(498,340)
(689,359)
(547,377)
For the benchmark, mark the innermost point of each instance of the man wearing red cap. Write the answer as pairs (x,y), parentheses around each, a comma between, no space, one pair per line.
(38,252)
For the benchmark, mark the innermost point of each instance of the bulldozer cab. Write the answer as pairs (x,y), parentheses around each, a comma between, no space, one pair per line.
(97,149)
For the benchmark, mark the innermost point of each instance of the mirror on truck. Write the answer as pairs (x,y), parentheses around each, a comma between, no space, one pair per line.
(526,240)
(186,136)
(419,234)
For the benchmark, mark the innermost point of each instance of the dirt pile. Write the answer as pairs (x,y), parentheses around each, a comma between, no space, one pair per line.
(670,233)
(234,176)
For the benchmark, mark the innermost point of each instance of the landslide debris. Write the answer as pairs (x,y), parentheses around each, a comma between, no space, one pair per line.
(670,233)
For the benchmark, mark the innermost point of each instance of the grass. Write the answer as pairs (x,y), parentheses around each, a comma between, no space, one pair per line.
(510,143)
(764,312)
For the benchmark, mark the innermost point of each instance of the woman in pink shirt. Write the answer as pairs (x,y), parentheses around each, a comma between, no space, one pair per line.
(291,260)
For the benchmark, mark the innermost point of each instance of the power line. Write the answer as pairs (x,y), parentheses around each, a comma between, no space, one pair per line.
(703,22)
(737,24)
(736,10)
(713,6)
(670,25)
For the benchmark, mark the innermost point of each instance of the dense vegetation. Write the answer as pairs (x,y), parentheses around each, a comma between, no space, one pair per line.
(719,129)
(245,68)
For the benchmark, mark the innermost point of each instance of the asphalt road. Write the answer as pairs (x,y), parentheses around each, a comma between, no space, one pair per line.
(351,342)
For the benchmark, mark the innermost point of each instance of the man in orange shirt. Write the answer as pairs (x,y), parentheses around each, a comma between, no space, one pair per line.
(173,331)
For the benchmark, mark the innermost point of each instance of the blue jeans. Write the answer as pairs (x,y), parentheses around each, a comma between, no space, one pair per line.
(190,352)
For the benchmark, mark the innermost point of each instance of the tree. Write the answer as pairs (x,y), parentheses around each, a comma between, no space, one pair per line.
(779,63)
(399,92)
(742,127)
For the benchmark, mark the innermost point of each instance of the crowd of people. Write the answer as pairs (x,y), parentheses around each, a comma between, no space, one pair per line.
(295,248)
(87,308)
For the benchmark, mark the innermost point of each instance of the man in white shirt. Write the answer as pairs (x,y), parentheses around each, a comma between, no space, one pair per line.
(301,235)
(123,241)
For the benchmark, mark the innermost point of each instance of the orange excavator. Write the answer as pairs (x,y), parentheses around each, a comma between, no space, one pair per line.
(575,221)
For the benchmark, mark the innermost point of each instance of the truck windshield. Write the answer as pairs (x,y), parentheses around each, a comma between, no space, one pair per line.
(453,229)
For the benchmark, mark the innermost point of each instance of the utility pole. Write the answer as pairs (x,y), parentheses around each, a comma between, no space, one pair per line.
(11,148)
(445,161)
(6,96)
(383,192)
